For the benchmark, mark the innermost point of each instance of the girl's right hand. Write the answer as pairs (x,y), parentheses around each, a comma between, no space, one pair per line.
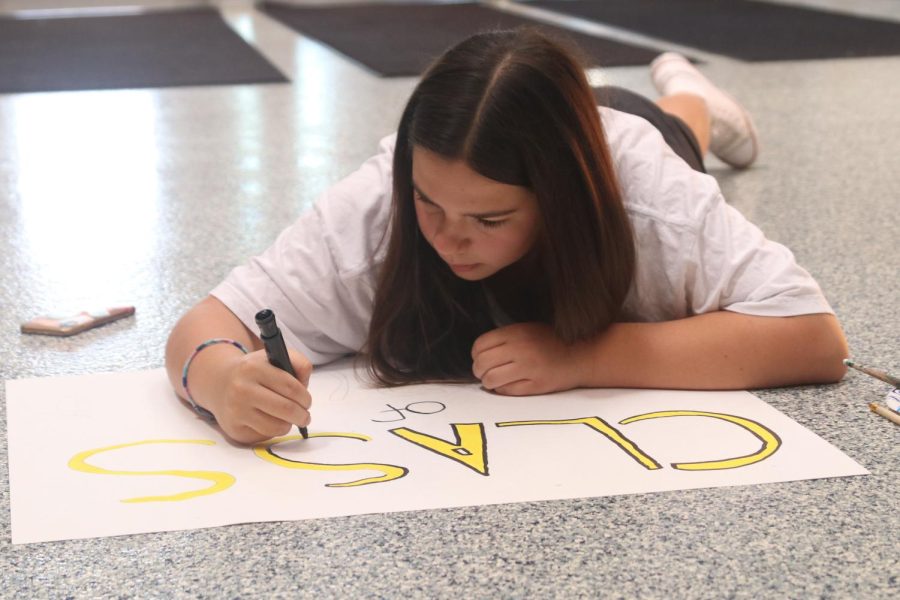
(256,401)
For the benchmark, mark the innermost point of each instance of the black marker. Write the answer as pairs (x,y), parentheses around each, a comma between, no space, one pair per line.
(276,351)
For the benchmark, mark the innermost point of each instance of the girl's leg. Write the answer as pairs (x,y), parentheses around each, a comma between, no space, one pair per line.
(691,109)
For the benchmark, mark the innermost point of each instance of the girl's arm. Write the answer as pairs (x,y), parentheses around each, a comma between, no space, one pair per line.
(717,350)
(206,320)
(251,400)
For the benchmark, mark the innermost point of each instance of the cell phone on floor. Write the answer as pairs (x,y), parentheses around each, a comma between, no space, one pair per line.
(64,325)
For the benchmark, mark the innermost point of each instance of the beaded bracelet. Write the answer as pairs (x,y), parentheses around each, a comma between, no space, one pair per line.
(184,373)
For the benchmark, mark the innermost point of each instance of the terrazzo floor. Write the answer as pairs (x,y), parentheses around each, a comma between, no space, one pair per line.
(149,197)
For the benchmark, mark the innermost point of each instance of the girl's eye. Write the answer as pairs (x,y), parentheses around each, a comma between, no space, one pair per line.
(488,223)
(421,199)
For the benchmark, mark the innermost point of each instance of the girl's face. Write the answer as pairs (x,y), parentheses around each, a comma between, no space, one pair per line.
(477,225)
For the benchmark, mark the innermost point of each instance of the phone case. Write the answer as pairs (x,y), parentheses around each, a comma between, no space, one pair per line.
(72,324)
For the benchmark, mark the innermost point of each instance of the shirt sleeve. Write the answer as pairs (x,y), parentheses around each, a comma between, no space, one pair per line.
(319,275)
(733,266)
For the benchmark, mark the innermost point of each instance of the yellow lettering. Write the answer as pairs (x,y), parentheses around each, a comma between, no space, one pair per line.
(770,440)
(601,426)
(220,481)
(469,448)
(391,472)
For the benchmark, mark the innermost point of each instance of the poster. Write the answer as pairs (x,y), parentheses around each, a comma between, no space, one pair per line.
(117,453)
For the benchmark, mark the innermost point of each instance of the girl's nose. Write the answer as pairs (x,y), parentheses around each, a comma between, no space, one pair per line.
(449,237)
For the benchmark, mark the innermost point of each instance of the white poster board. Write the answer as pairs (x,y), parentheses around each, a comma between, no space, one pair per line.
(117,453)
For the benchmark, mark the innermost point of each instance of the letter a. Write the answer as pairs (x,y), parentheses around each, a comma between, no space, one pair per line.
(470,447)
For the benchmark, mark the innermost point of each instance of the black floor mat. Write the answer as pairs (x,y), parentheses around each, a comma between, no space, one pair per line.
(163,49)
(402,39)
(743,29)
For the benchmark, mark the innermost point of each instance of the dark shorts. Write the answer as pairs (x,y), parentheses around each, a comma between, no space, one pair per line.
(676,133)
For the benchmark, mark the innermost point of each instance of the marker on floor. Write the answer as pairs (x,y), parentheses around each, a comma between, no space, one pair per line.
(876,373)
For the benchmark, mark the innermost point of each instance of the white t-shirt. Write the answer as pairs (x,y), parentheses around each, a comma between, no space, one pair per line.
(695,253)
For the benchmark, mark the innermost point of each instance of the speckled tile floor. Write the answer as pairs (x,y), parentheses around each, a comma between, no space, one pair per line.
(150,196)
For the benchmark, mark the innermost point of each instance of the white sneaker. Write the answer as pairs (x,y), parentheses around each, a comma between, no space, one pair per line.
(733,136)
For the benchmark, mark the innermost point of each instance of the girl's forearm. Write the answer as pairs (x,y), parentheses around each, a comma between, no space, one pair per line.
(208,319)
(720,350)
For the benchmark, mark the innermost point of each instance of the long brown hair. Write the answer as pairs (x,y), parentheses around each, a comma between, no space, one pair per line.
(516,107)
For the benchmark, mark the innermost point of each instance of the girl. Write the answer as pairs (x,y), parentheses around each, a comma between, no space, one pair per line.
(512,233)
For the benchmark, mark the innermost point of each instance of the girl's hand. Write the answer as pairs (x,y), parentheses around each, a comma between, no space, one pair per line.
(257,401)
(525,359)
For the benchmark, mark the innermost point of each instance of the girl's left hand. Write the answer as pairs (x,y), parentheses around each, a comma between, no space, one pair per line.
(525,359)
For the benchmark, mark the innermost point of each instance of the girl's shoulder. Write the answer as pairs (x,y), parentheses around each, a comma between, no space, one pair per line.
(352,216)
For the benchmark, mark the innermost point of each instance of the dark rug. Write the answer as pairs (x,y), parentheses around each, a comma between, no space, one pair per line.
(743,29)
(164,49)
(402,39)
